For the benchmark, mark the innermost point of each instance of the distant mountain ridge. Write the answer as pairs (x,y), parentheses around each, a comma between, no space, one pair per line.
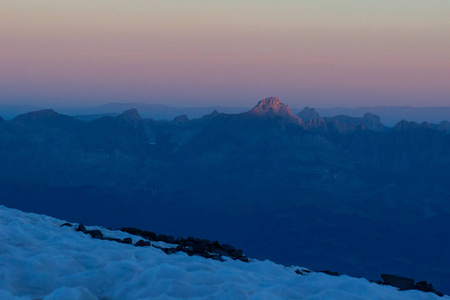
(154,111)
(390,115)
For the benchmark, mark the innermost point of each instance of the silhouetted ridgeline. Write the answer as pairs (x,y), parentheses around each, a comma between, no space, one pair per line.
(343,193)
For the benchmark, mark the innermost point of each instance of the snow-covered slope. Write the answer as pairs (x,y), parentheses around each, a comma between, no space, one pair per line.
(41,260)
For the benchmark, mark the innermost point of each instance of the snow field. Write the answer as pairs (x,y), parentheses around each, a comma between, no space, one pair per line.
(41,260)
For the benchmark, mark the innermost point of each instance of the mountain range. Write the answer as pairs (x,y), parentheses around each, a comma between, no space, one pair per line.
(389,115)
(339,192)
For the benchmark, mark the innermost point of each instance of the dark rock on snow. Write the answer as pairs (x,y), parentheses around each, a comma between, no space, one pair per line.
(127,241)
(142,243)
(166,239)
(332,273)
(81,228)
(398,281)
(96,234)
(112,239)
(215,251)
(145,234)
(244,258)
(404,284)
(199,248)
(427,287)
(302,272)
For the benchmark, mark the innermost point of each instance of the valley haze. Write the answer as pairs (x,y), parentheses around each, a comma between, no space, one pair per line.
(284,186)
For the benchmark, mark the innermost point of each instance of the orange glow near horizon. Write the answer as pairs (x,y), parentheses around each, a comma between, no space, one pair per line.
(184,51)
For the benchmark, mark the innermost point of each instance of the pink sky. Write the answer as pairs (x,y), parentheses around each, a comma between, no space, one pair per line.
(316,53)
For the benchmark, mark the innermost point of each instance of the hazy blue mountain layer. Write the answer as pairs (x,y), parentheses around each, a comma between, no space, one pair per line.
(345,193)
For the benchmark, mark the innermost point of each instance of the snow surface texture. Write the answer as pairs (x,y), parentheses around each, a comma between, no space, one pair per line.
(41,260)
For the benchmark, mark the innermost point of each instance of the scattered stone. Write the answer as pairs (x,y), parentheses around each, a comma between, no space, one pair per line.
(157,247)
(237,253)
(95,234)
(227,247)
(424,286)
(149,235)
(439,294)
(205,255)
(399,282)
(220,251)
(427,287)
(131,230)
(127,241)
(190,245)
(214,250)
(171,251)
(166,239)
(168,250)
(112,239)
(142,243)
(329,273)
(244,258)
(216,257)
(199,248)
(81,228)
(404,284)
(207,242)
(302,272)
(145,234)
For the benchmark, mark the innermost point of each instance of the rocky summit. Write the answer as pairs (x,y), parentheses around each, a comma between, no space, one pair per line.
(308,114)
(272,107)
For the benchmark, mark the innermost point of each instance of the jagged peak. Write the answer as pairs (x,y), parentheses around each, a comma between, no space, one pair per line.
(132,113)
(132,116)
(212,115)
(273,107)
(371,116)
(425,125)
(403,124)
(181,119)
(444,125)
(269,105)
(35,115)
(307,114)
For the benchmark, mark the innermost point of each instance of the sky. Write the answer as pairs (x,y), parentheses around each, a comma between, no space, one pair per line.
(320,53)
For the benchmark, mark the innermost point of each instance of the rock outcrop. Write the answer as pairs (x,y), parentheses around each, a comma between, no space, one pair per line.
(308,114)
(272,107)
(131,116)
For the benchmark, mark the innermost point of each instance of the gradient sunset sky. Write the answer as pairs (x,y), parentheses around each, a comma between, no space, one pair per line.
(318,53)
